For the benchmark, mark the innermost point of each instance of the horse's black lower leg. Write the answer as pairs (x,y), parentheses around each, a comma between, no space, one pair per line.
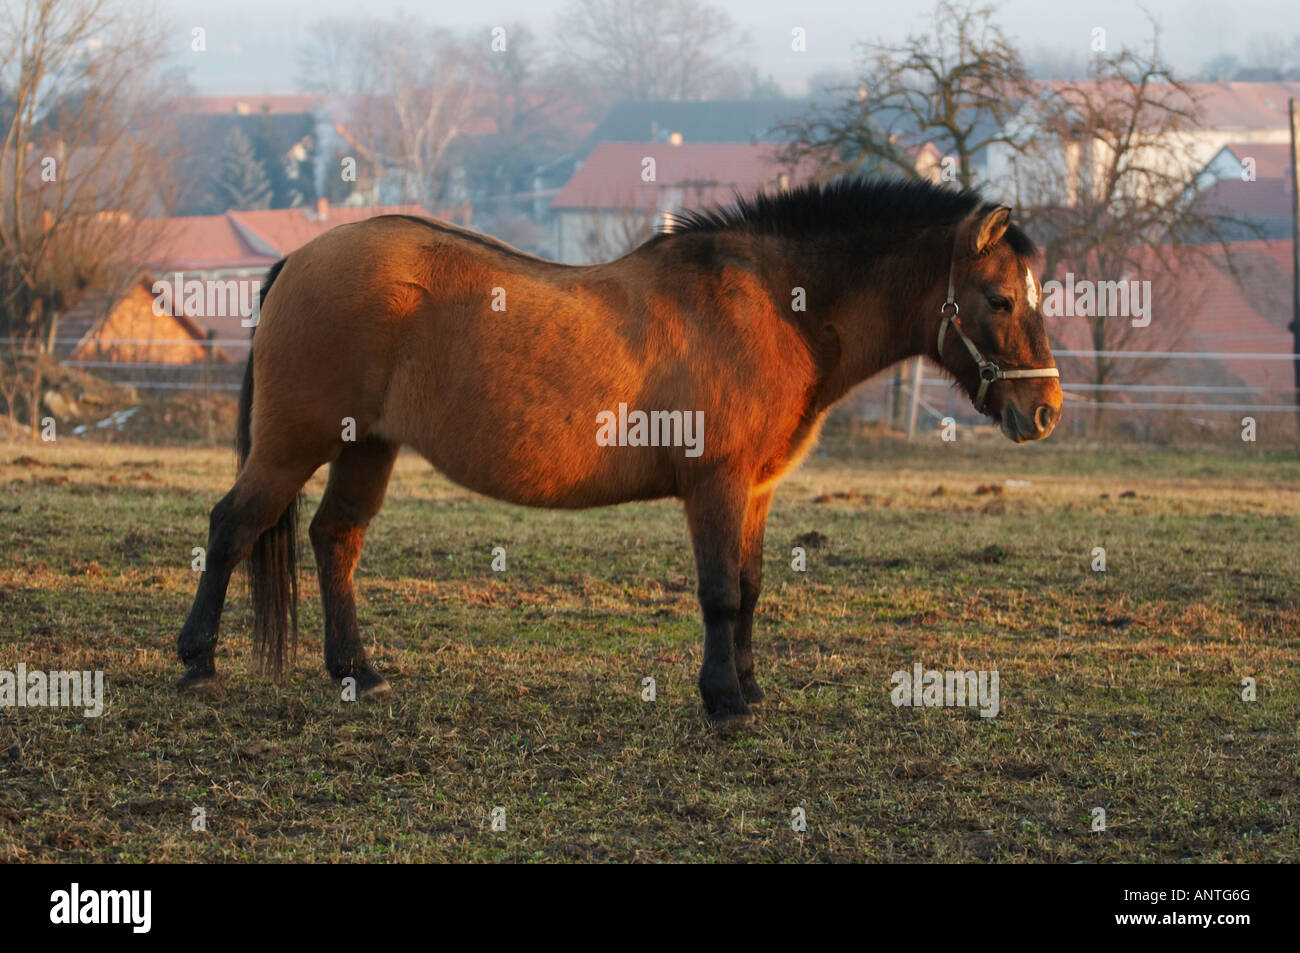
(751,584)
(236,522)
(358,479)
(716,515)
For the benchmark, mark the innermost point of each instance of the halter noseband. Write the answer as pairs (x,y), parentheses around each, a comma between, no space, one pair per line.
(989,371)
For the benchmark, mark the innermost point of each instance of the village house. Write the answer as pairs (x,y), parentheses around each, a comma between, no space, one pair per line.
(624,190)
(1246,115)
(1253,182)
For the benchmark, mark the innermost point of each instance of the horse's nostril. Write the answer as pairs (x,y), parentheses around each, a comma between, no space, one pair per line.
(1044,417)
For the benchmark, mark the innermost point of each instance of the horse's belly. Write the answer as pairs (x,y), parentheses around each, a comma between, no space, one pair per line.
(534,476)
(545,462)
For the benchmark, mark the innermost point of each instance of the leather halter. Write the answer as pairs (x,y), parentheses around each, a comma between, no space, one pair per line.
(989,371)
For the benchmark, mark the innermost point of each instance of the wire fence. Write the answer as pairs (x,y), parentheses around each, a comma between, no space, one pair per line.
(1145,411)
(883,400)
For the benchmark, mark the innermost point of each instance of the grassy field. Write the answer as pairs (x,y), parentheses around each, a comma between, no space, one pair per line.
(522,690)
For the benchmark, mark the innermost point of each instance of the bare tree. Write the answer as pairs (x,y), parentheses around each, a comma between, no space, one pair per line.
(86,156)
(531,109)
(409,90)
(653,49)
(1103,178)
(331,62)
(957,86)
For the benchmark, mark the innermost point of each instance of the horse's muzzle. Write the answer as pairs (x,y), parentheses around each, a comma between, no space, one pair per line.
(1021,429)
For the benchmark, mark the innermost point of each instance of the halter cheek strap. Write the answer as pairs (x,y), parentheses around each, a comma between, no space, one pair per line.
(989,371)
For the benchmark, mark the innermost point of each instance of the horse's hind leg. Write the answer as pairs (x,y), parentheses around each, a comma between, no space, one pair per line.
(260,496)
(354,494)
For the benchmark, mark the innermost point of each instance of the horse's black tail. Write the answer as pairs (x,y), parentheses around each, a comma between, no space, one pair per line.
(273,564)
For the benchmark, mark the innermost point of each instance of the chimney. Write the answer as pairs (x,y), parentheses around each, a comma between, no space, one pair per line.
(322,208)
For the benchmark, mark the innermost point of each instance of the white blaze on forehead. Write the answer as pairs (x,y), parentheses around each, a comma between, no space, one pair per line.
(1031,287)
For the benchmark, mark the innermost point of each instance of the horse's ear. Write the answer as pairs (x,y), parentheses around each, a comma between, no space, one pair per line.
(988,231)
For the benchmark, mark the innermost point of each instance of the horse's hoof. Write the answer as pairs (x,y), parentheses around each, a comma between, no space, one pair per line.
(201,685)
(730,721)
(371,686)
(381,691)
(753,694)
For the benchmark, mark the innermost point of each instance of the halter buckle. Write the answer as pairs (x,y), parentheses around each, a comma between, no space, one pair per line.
(955,308)
(990,372)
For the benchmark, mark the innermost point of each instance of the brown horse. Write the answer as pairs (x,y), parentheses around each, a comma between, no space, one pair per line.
(698,366)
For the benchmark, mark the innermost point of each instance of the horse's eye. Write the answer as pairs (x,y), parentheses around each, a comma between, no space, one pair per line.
(999,303)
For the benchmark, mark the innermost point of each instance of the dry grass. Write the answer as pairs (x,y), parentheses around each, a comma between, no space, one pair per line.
(522,690)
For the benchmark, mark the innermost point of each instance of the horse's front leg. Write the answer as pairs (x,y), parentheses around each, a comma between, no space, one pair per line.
(751,584)
(715,512)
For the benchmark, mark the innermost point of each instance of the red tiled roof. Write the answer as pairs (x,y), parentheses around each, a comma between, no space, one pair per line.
(200,242)
(692,174)
(216,242)
(1272,159)
(1244,105)
(248,105)
(1220,106)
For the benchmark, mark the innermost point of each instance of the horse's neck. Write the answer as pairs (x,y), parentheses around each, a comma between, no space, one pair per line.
(862,315)
(879,317)
(860,361)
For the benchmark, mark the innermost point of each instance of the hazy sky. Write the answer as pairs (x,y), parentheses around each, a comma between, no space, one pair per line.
(252,43)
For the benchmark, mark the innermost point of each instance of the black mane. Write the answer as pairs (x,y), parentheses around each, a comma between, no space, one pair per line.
(844,204)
